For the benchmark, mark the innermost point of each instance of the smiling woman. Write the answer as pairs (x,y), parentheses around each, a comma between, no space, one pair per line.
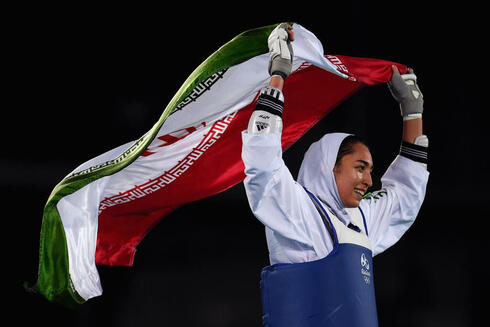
(322,231)
(352,171)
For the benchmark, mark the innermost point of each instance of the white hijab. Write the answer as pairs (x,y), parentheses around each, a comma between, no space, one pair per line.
(316,173)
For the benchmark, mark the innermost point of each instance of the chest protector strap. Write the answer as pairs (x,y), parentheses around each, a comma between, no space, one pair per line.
(337,290)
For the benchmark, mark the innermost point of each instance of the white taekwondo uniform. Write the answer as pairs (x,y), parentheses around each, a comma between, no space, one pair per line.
(295,230)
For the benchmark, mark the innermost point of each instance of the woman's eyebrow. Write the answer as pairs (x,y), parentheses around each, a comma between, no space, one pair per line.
(366,163)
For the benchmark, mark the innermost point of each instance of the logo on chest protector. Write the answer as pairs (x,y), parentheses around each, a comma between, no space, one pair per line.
(365,269)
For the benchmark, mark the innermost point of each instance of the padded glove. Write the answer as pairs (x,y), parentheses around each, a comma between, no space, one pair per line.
(406,92)
(280,52)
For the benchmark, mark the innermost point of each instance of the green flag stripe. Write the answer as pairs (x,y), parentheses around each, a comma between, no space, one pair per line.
(53,277)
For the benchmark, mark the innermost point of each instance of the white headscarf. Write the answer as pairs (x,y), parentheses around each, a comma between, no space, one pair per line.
(316,173)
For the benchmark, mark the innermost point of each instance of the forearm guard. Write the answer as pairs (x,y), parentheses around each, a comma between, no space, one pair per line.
(267,116)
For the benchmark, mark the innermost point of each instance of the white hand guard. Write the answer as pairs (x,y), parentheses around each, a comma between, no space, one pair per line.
(280,52)
(406,92)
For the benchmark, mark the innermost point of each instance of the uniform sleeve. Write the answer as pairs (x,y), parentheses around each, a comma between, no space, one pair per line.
(390,211)
(274,196)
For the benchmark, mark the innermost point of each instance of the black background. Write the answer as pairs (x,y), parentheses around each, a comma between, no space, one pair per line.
(85,79)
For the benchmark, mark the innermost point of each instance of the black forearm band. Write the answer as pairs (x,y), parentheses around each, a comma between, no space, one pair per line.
(279,73)
(270,103)
(415,152)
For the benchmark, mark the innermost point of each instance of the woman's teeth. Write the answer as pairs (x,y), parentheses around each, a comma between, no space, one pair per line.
(361,192)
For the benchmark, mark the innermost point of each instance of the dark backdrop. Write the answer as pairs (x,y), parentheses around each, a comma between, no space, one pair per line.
(87,79)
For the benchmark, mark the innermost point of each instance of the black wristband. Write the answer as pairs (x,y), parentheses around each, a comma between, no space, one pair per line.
(414,152)
(278,72)
(270,102)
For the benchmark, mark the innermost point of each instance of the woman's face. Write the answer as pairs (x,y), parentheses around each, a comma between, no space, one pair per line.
(353,175)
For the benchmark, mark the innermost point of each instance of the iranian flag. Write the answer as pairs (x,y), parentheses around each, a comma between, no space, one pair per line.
(99,213)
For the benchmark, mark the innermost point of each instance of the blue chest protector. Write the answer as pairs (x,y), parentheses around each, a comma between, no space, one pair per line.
(337,290)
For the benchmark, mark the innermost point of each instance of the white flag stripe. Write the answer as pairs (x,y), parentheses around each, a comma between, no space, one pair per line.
(227,93)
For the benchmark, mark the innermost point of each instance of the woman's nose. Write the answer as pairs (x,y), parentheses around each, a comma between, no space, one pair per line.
(368,180)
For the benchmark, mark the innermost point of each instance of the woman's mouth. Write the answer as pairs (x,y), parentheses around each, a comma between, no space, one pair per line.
(360,192)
